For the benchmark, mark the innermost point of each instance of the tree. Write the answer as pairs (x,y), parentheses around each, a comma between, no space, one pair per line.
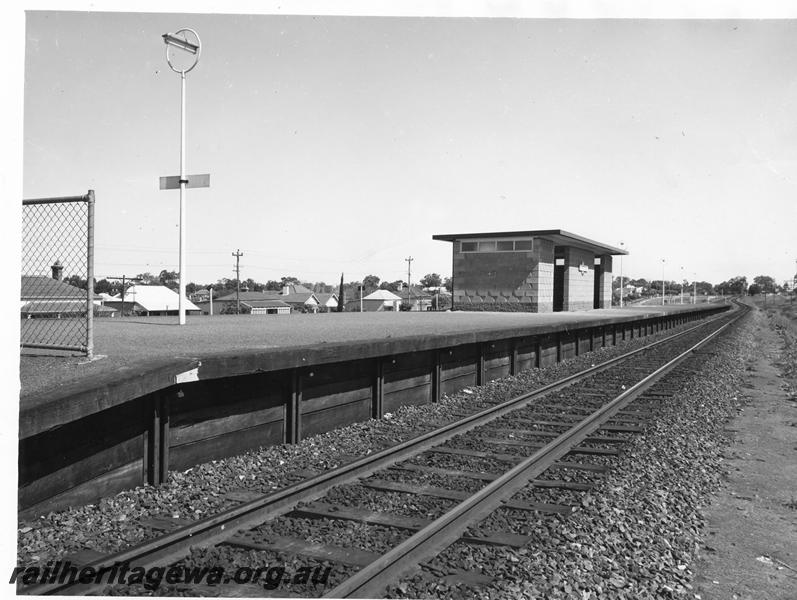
(448,283)
(341,295)
(103,286)
(171,279)
(273,286)
(765,283)
(147,278)
(370,284)
(77,281)
(431,280)
(734,286)
(393,286)
(288,281)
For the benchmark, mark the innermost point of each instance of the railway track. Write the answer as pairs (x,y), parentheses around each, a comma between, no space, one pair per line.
(534,454)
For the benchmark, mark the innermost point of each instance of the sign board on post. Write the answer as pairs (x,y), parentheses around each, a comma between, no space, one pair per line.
(172,182)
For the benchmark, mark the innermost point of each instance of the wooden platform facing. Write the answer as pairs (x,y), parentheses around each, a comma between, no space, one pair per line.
(166,397)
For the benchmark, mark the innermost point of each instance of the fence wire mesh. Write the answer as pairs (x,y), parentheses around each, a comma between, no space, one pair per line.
(57,265)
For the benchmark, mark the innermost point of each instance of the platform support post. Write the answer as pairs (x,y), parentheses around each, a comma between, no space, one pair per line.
(293,416)
(163,464)
(153,446)
(480,366)
(378,389)
(437,376)
(513,344)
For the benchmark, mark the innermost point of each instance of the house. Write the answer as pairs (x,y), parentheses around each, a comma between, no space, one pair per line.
(50,297)
(380,301)
(300,298)
(266,307)
(152,301)
(327,302)
(201,295)
(228,303)
(297,297)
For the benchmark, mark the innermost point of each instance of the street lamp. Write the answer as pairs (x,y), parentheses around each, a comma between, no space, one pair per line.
(662,282)
(180,45)
(622,244)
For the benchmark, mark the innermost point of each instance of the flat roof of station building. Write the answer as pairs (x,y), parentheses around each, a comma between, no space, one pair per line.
(560,237)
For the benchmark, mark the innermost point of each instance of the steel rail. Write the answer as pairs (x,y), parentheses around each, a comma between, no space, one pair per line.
(174,545)
(370,581)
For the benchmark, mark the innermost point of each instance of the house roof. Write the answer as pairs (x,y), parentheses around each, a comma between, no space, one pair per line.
(559,237)
(36,287)
(296,288)
(300,298)
(382,295)
(325,298)
(248,296)
(61,306)
(156,297)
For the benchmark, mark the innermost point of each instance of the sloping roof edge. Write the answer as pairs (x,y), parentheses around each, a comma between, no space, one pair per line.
(558,236)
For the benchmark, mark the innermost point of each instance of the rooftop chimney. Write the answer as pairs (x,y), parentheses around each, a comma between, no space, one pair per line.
(58,270)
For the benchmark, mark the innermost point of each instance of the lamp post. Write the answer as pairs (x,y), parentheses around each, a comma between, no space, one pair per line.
(186,42)
(622,244)
(662,282)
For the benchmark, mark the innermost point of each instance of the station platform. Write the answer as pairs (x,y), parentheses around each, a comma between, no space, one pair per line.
(150,352)
(160,396)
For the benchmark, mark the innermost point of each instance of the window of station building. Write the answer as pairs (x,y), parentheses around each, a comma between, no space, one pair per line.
(497,246)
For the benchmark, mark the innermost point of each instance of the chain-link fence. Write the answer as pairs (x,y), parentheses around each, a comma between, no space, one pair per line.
(58,274)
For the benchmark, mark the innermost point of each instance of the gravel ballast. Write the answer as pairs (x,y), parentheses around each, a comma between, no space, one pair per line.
(639,530)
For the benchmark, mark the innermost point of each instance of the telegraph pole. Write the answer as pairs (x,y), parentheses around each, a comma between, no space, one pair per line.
(124,279)
(238,254)
(409,280)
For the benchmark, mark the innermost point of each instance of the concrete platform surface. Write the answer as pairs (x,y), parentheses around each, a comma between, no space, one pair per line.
(138,344)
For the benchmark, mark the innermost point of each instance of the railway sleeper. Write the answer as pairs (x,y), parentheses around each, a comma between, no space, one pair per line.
(317,510)
(428,490)
(290,545)
(493,476)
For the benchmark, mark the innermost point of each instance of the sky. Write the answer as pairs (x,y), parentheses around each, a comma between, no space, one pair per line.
(343,143)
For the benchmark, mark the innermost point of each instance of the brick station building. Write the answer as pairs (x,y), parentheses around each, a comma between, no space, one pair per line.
(534,271)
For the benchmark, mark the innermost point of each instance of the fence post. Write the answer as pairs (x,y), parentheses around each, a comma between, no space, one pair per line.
(90,277)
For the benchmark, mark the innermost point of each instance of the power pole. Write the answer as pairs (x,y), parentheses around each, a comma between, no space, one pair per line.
(238,254)
(124,279)
(409,279)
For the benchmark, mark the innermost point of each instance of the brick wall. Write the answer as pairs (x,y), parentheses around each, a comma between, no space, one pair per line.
(543,274)
(579,287)
(605,292)
(494,280)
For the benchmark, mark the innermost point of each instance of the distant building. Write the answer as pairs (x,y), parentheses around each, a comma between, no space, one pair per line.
(50,297)
(152,301)
(535,271)
(380,301)
(327,302)
(267,307)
